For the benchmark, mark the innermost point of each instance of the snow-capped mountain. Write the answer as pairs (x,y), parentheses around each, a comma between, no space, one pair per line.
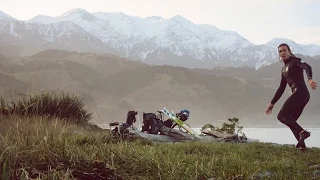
(4,16)
(156,40)
(35,37)
(311,49)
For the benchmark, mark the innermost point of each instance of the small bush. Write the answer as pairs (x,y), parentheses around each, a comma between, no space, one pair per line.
(56,105)
(226,127)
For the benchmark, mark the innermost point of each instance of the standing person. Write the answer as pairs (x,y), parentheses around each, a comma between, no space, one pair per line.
(292,74)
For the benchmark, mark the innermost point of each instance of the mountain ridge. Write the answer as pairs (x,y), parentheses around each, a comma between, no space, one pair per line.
(137,38)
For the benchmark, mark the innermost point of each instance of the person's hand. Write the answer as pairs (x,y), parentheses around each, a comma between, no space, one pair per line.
(269,109)
(313,84)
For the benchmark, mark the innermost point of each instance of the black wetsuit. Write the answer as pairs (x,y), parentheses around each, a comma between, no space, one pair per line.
(292,74)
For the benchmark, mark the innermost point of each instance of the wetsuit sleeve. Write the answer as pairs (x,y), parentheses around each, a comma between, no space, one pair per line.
(280,90)
(303,65)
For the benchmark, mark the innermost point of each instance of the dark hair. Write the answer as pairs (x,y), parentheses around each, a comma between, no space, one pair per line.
(284,44)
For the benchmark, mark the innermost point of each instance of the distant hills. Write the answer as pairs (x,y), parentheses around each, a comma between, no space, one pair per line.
(113,85)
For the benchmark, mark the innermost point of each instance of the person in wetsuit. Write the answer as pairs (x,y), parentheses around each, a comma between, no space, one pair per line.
(292,74)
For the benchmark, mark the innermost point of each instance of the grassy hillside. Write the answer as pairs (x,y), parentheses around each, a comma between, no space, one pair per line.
(209,98)
(11,50)
(55,70)
(112,86)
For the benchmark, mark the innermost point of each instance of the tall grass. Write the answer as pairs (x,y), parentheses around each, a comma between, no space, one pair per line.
(64,106)
(47,148)
(54,149)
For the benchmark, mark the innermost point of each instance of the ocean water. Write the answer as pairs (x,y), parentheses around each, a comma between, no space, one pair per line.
(279,135)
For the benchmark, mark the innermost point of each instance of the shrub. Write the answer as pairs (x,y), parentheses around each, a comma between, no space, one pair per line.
(62,105)
(226,127)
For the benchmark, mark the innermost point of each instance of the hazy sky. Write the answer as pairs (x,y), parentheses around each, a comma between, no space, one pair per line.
(256,20)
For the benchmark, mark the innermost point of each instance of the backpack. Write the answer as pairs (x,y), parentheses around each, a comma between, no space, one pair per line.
(151,123)
(131,117)
(155,126)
